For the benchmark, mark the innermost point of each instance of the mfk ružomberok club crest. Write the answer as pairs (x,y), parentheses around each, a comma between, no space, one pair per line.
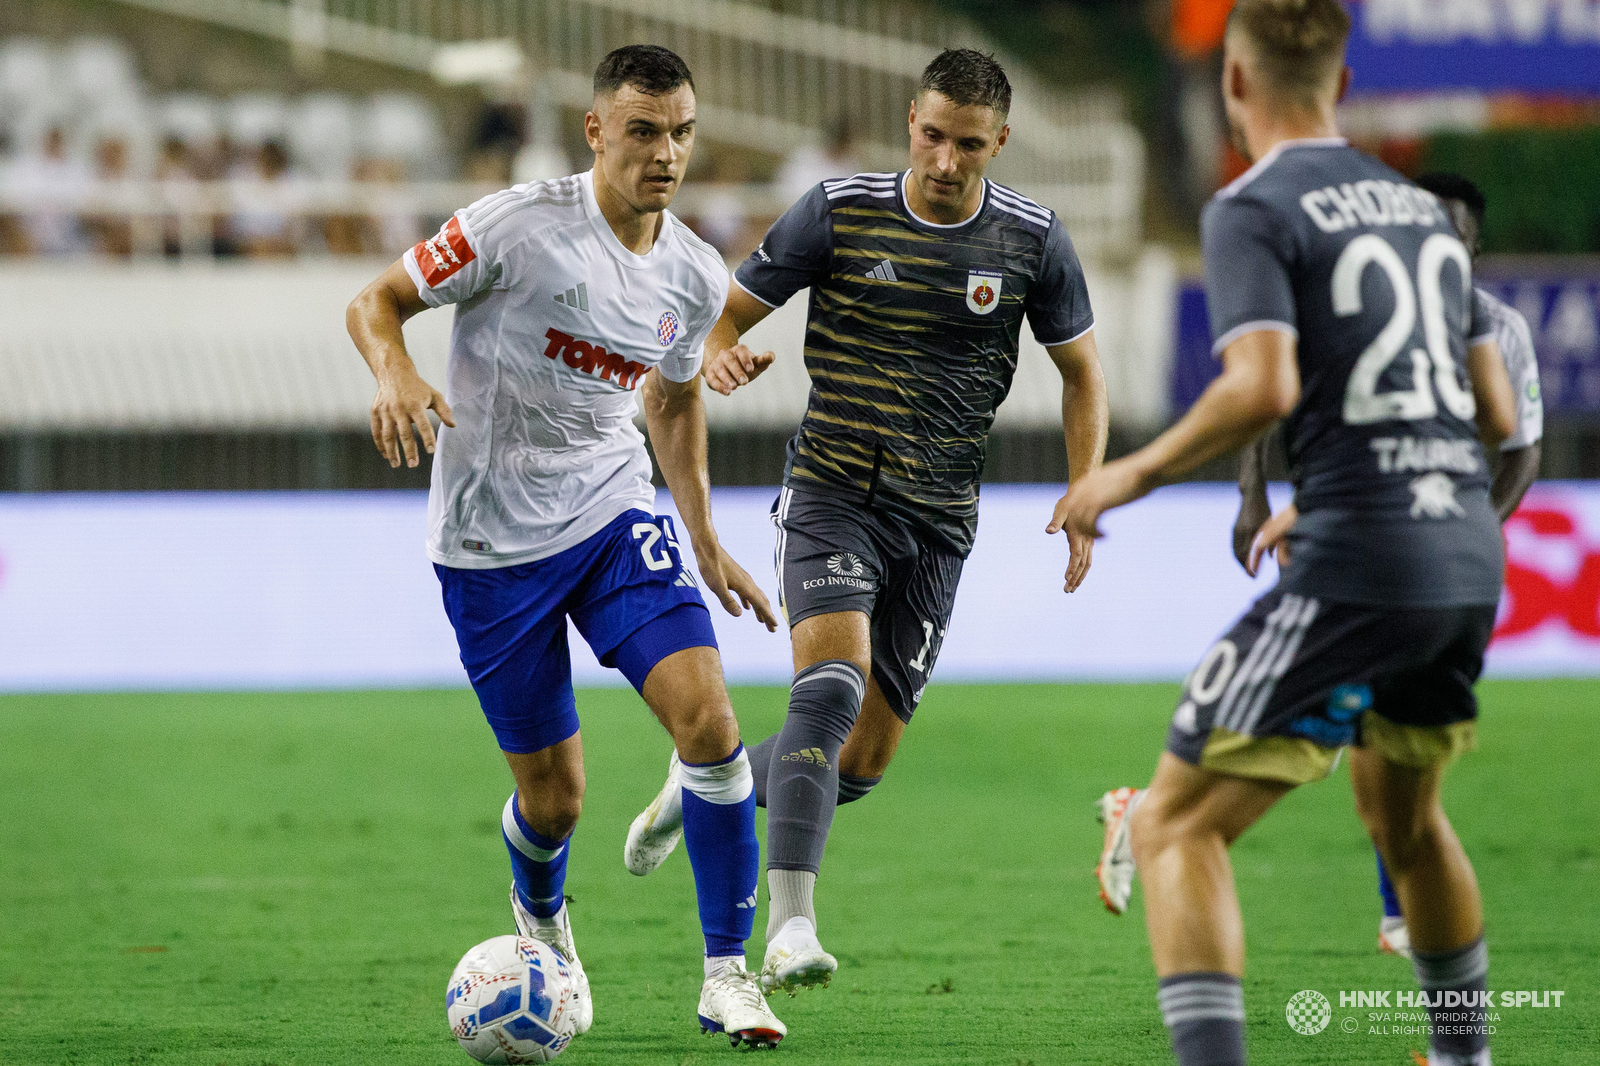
(983,291)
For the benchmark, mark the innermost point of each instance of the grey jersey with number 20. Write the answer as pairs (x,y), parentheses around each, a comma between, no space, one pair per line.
(1365,269)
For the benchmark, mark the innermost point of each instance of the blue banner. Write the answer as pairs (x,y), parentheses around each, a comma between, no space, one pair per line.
(1563,313)
(1531,46)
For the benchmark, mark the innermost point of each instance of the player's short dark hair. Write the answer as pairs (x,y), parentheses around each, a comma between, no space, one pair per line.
(1300,43)
(1448,186)
(653,70)
(967,77)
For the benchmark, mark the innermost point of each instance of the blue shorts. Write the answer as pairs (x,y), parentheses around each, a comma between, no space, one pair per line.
(626,589)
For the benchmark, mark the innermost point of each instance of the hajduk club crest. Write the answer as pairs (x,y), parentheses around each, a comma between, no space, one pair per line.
(667,329)
(983,291)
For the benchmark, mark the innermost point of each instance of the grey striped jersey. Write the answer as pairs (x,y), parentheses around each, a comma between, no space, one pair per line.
(556,326)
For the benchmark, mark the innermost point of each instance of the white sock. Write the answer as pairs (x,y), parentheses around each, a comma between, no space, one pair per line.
(789,895)
(717,965)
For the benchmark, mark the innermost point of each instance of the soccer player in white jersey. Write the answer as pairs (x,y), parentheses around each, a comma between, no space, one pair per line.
(571,294)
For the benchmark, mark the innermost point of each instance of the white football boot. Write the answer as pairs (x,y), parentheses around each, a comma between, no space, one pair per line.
(795,959)
(658,828)
(1393,938)
(1115,870)
(557,932)
(732,1003)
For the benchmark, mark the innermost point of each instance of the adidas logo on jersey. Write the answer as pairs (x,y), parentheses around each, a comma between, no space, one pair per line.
(577,298)
(884,271)
(813,756)
(590,358)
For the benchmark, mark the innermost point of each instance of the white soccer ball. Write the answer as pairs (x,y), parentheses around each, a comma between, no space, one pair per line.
(511,1000)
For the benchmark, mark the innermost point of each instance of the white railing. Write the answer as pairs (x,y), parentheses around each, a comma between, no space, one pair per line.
(766,78)
(198,346)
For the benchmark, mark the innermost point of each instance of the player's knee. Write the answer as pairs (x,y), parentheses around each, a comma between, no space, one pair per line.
(704,728)
(1402,836)
(1150,831)
(554,805)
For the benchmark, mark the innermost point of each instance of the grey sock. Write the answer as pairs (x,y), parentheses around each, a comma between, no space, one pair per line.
(760,758)
(1204,1012)
(789,896)
(803,775)
(852,788)
(1460,1032)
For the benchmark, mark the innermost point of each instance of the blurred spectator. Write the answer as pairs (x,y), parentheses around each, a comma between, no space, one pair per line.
(12,241)
(112,233)
(267,228)
(49,181)
(722,219)
(391,225)
(808,165)
(175,171)
(1192,145)
(541,157)
(496,140)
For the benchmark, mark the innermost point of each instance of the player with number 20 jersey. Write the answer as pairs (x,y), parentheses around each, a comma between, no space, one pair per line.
(1341,301)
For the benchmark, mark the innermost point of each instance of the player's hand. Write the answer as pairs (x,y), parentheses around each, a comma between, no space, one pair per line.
(728,582)
(733,367)
(1254,511)
(403,401)
(1274,536)
(1078,512)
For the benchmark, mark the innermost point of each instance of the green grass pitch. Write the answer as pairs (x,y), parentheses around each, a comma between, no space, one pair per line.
(289,879)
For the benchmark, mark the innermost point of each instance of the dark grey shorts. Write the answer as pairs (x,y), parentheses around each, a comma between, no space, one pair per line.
(836,556)
(1298,678)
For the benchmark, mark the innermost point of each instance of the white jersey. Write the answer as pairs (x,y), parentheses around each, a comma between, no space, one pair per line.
(556,325)
(1516,348)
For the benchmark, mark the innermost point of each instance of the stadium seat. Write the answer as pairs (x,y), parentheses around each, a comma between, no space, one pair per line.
(252,119)
(98,70)
(322,137)
(402,127)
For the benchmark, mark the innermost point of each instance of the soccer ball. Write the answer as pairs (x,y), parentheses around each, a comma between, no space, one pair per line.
(511,1000)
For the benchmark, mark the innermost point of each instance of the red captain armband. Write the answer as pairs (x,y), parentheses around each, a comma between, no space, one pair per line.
(443,254)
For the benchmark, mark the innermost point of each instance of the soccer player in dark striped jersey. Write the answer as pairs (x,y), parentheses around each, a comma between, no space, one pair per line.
(1341,300)
(920,282)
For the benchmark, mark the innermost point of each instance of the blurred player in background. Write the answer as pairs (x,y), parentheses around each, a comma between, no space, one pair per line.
(919,284)
(1519,457)
(571,294)
(1341,300)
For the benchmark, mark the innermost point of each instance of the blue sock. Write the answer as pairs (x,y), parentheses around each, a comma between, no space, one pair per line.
(538,864)
(1391,902)
(719,832)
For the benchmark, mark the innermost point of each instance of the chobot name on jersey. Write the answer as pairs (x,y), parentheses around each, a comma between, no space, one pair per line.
(590,358)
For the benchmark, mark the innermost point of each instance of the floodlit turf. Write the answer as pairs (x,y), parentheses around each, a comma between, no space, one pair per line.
(289,878)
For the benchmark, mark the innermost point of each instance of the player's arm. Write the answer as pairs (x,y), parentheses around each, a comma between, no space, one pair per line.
(675,415)
(1259,384)
(374,319)
(732,364)
(1519,468)
(1491,388)
(1254,508)
(1085,417)
(793,254)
